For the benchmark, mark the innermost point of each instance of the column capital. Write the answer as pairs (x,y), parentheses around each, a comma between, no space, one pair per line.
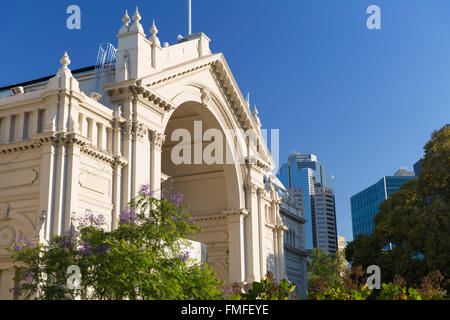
(251,187)
(157,140)
(139,130)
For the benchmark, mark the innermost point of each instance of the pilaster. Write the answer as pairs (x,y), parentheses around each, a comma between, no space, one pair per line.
(252,235)
(236,245)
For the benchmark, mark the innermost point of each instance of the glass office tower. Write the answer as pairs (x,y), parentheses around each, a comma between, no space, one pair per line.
(364,205)
(312,189)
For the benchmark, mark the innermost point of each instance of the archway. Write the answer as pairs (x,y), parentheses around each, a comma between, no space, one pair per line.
(209,187)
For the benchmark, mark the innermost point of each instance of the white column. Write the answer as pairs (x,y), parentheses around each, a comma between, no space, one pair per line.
(261,227)
(252,236)
(73,173)
(116,195)
(276,272)
(281,260)
(141,170)
(58,190)
(46,184)
(236,260)
(156,150)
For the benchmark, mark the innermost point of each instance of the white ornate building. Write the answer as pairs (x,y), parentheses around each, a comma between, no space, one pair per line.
(63,150)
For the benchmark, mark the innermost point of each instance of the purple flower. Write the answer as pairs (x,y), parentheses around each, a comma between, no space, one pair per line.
(146,190)
(14,291)
(184,256)
(85,250)
(228,292)
(91,220)
(23,243)
(176,198)
(129,215)
(28,276)
(102,249)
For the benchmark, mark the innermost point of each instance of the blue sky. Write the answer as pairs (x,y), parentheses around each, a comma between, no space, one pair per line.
(365,101)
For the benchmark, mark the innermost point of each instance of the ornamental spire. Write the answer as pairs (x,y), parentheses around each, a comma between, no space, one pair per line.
(126,19)
(65,61)
(154,31)
(255,115)
(137,17)
(137,26)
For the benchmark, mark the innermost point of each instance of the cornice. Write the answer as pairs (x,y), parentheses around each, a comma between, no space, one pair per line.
(221,218)
(133,89)
(86,146)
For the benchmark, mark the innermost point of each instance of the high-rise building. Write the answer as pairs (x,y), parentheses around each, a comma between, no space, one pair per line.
(312,190)
(417,167)
(364,204)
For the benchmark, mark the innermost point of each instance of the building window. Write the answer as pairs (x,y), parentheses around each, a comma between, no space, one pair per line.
(40,124)
(26,120)
(12,126)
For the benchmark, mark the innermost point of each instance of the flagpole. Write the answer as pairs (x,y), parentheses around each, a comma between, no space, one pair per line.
(190,21)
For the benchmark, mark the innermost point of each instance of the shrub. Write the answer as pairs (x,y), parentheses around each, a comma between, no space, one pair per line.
(142,258)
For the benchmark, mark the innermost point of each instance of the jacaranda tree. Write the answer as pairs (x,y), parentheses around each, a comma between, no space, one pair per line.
(143,258)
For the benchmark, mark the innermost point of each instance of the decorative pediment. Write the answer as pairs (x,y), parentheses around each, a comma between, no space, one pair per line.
(230,90)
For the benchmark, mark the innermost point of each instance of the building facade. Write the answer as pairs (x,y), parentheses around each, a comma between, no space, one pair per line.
(66,148)
(341,243)
(365,204)
(417,167)
(295,252)
(312,189)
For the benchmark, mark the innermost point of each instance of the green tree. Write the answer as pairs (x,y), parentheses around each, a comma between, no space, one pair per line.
(415,220)
(323,269)
(143,258)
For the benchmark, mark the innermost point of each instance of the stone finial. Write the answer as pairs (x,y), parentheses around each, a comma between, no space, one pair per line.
(137,26)
(63,78)
(154,31)
(255,115)
(126,19)
(65,61)
(137,16)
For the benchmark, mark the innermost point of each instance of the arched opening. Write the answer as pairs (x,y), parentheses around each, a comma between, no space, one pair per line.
(194,162)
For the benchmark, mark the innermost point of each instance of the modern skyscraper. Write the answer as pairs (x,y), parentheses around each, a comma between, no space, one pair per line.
(312,189)
(364,204)
(417,167)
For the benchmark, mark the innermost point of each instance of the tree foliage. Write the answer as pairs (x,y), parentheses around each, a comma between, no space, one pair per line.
(323,268)
(141,259)
(415,220)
